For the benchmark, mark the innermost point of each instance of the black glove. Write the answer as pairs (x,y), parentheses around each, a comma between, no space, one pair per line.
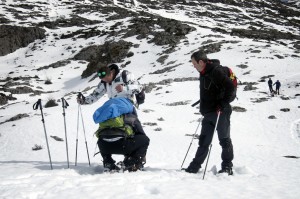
(222,106)
(80,98)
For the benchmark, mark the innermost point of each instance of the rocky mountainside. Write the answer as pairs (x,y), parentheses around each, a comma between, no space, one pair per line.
(255,19)
(96,33)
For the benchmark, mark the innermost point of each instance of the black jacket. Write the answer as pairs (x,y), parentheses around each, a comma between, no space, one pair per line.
(216,88)
(270,82)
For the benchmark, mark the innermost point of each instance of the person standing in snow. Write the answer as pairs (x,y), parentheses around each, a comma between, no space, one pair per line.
(216,89)
(112,83)
(270,83)
(277,86)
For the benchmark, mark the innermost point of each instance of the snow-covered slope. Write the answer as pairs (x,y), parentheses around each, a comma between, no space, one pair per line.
(261,145)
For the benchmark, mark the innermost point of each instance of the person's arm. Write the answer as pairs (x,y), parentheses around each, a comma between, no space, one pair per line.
(132,86)
(96,94)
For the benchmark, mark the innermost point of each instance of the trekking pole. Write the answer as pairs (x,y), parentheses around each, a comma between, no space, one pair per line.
(80,96)
(85,136)
(196,103)
(191,142)
(77,135)
(37,105)
(219,113)
(65,105)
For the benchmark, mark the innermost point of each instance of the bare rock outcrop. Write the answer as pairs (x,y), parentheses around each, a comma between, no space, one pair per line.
(15,37)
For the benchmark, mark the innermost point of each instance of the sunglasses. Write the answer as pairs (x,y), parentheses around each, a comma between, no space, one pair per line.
(102,74)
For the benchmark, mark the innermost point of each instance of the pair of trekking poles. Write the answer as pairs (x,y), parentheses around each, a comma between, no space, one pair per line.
(219,112)
(38,105)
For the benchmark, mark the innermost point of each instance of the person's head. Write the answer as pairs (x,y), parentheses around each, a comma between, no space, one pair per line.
(105,74)
(199,60)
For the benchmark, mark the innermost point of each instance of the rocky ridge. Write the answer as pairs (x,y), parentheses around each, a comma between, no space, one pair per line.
(257,20)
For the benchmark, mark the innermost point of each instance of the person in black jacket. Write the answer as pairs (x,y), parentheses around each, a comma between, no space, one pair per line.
(216,90)
(277,85)
(270,83)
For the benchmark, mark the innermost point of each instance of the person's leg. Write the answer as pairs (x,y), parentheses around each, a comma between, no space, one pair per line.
(106,155)
(109,148)
(227,153)
(137,146)
(225,141)
(205,139)
(136,150)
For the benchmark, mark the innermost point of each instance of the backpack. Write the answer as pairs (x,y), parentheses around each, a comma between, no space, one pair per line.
(140,97)
(115,127)
(233,78)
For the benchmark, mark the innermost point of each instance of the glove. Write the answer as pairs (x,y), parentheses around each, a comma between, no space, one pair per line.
(80,100)
(222,106)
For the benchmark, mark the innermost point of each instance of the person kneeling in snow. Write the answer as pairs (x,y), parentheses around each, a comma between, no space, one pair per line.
(113,84)
(120,132)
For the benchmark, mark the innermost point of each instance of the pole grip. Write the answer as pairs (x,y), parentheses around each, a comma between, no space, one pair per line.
(64,103)
(80,96)
(37,105)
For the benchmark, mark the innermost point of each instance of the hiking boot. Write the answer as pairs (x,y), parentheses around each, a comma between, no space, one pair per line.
(111,167)
(133,164)
(109,164)
(226,170)
(140,162)
(192,168)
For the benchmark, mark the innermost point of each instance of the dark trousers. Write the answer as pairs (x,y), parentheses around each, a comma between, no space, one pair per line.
(271,88)
(133,147)
(206,136)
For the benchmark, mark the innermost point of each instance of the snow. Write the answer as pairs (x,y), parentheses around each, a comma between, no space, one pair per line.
(260,144)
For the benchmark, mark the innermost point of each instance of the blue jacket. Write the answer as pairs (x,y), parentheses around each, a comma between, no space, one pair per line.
(113,108)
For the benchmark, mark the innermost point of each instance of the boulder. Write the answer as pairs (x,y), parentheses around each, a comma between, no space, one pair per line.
(14,37)
(101,55)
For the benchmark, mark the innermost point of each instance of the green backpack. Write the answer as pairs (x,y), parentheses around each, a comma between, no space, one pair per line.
(114,127)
